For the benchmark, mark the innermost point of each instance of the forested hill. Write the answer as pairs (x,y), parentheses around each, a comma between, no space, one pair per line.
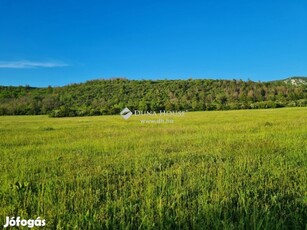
(99,97)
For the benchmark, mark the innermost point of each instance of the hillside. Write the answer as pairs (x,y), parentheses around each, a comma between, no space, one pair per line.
(101,97)
(296,80)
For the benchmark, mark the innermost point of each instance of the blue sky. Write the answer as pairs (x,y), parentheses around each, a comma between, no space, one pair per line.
(60,42)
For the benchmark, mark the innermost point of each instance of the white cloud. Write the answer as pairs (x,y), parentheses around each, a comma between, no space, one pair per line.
(30,64)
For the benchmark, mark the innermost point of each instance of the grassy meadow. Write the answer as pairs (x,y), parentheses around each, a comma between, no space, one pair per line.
(243,169)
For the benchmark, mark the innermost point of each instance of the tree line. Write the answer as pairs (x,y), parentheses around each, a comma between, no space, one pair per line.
(106,97)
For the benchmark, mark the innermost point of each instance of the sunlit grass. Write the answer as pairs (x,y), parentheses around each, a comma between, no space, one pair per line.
(230,169)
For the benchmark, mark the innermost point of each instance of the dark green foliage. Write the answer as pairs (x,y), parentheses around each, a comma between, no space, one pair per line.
(104,97)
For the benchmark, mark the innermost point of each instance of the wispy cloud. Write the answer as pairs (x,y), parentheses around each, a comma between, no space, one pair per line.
(30,64)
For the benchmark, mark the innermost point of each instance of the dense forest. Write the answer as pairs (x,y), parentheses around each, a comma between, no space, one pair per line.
(100,97)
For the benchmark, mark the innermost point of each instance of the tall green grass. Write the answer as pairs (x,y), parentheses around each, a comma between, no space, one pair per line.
(207,170)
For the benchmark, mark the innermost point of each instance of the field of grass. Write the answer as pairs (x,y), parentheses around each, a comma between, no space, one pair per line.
(206,170)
